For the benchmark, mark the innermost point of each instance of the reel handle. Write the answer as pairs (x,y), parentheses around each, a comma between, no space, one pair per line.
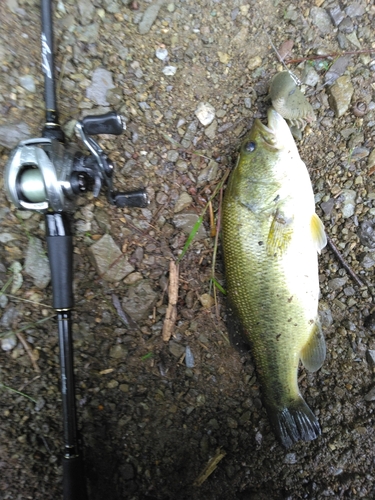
(109,123)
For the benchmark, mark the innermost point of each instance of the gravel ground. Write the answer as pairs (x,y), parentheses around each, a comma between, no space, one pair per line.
(149,422)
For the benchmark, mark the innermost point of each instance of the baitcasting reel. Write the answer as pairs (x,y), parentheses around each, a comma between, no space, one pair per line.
(44,174)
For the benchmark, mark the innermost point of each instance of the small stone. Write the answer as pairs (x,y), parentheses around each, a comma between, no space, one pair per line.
(352,37)
(124,387)
(172,155)
(254,62)
(224,58)
(321,20)
(327,206)
(341,95)
(210,131)
(101,83)
(112,384)
(12,134)
(337,69)
(149,17)
(346,26)
(290,458)
(139,300)
(176,349)
(371,159)
(205,113)
(209,173)
(110,262)
(186,221)
(133,278)
(37,264)
(118,351)
(310,77)
(206,300)
(355,9)
(367,262)
(370,396)
(161,53)
(367,233)
(169,70)
(184,201)
(348,206)
(189,358)
(337,283)
(336,14)
(27,82)
(9,342)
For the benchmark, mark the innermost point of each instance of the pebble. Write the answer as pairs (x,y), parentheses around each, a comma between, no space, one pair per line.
(209,173)
(139,300)
(367,233)
(86,11)
(101,82)
(370,396)
(206,300)
(337,283)
(340,95)
(336,14)
(189,358)
(367,261)
(337,69)
(12,134)
(186,221)
(184,201)
(9,342)
(118,351)
(210,131)
(348,205)
(110,262)
(149,17)
(321,20)
(169,70)
(176,349)
(254,63)
(161,53)
(17,281)
(205,113)
(37,264)
(27,82)
(370,357)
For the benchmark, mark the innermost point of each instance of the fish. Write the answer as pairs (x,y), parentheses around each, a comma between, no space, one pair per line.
(271,238)
(288,100)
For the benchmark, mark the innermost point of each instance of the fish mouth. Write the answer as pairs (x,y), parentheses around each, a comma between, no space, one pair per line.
(273,132)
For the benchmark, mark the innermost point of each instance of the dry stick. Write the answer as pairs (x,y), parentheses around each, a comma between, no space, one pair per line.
(210,467)
(326,56)
(342,261)
(171,314)
(29,351)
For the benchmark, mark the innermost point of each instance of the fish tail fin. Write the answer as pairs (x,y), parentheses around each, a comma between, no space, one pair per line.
(295,422)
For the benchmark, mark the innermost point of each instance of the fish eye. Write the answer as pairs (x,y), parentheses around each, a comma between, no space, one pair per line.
(250,146)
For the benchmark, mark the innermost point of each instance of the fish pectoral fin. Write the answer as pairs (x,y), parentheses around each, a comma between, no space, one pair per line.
(280,234)
(318,233)
(314,351)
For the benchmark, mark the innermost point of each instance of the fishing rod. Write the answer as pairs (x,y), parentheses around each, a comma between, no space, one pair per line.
(46,175)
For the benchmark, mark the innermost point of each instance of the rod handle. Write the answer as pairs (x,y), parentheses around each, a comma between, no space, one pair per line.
(74,485)
(109,123)
(60,254)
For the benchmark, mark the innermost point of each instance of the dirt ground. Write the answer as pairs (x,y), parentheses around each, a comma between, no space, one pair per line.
(150,424)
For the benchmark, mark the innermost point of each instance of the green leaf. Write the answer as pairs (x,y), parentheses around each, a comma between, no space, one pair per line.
(193,232)
(218,286)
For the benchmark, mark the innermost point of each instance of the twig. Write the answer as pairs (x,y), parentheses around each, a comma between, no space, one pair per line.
(340,258)
(127,320)
(332,55)
(210,467)
(29,351)
(171,314)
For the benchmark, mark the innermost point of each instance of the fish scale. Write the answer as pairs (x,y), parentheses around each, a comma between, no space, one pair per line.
(271,235)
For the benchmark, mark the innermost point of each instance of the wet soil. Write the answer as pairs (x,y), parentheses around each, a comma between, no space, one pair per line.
(149,424)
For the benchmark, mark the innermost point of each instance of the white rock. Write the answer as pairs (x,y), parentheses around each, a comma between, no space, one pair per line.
(205,113)
(161,54)
(169,70)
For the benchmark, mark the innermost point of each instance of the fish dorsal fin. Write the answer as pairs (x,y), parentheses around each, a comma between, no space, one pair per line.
(314,351)
(318,233)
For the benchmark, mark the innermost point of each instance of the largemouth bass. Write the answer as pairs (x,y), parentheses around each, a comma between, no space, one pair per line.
(271,238)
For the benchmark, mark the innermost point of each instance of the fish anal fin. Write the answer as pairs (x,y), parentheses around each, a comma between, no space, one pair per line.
(314,351)
(279,235)
(318,233)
